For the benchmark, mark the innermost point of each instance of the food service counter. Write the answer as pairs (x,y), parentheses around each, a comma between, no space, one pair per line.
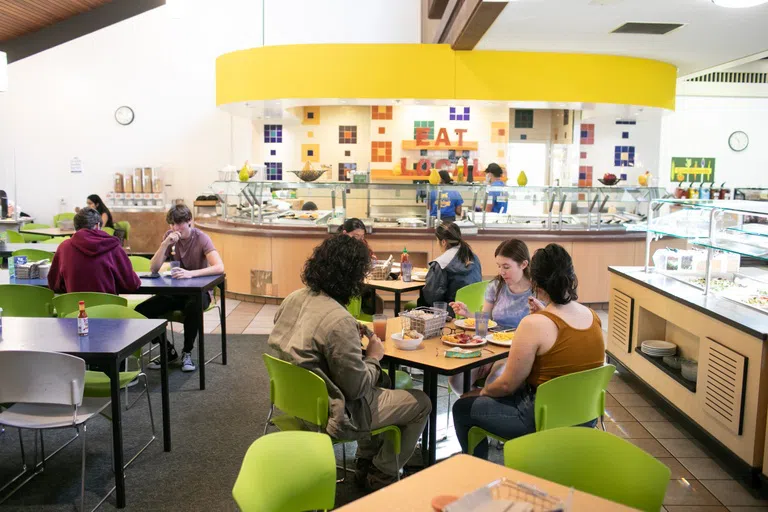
(266,261)
(728,399)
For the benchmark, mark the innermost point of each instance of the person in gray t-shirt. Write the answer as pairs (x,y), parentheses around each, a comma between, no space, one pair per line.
(198,257)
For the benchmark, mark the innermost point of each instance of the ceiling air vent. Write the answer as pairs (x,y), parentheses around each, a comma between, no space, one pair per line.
(730,77)
(653,29)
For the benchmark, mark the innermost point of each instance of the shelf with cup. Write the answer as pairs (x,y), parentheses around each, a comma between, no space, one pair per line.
(674,373)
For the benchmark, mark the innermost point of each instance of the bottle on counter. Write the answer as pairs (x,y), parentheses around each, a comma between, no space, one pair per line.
(405,266)
(82,320)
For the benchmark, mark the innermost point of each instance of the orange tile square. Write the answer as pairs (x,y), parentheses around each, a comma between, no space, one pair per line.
(382,130)
(347,134)
(499,131)
(381,151)
(381,112)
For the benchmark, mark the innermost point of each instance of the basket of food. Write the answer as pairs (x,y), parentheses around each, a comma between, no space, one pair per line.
(427,321)
(381,270)
(309,174)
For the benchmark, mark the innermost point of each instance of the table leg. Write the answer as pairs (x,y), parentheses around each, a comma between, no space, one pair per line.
(223,321)
(165,396)
(467,383)
(392,373)
(201,340)
(433,419)
(397,303)
(117,433)
(425,434)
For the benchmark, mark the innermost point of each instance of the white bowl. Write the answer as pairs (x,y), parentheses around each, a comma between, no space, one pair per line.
(407,344)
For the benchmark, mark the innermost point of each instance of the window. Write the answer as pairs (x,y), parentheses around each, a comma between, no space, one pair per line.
(523,118)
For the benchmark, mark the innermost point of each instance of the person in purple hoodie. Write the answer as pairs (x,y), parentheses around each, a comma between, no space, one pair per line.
(92,260)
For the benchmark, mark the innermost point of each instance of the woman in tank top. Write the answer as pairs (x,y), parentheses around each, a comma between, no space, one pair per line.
(563,337)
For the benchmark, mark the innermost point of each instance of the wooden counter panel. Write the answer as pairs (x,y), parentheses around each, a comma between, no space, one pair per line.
(654,315)
(248,262)
(289,256)
(147,229)
(591,261)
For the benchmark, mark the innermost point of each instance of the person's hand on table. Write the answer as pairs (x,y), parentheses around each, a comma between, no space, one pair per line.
(375,348)
(471,393)
(459,308)
(180,273)
(535,305)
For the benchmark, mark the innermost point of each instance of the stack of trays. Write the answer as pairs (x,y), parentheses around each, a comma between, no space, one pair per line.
(658,348)
(30,270)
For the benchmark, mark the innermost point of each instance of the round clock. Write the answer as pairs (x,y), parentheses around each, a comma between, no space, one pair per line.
(738,141)
(124,115)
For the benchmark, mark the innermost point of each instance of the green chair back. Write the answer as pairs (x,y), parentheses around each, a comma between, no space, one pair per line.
(592,461)
(25,300)
(34,254)
(28,238)
(140,263)
(297,392)
(355,309)
(109,311)
(62,216)
(55,240)
(14,237)
(572,399)
(287,471)
(68,302)
(109,231)
(473,295)
(125,226)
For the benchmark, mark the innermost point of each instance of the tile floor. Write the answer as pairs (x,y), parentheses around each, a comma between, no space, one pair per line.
(698,482)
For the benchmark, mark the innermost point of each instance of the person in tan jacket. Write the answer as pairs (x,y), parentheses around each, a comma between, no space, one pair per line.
(314,330)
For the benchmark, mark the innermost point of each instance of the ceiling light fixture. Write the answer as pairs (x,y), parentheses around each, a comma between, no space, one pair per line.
(738,4)
(3,72)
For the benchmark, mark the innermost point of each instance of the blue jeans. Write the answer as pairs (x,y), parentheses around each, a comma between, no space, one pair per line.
(508,417)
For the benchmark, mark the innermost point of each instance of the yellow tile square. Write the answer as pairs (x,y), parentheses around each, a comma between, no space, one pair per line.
(382,109)
(305,152)
(381,152)
(625,156)
(500,153)
(310,135)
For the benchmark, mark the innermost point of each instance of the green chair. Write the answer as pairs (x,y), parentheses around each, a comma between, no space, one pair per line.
(140,263)
(566,401)
(29,238)
(66,303)
(34,254)
(14,237)
(592,461)
(122,230)
(109,231)
(55,240)
(62,216)
(270,480)
(302,395)
(25,300)
(473,295)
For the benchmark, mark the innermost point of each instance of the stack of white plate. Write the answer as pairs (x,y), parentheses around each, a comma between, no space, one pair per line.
(658,348)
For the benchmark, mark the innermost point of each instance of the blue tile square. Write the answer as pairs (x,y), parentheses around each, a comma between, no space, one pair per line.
(616,162)
(631,150)
(272,152)
(465,154)
(310,152)
(453,110)
(624,135)
(523,137)
(310,115)
(582,175)
(423,152)
(584,134)
(624,176)
(453,117)
(466,110)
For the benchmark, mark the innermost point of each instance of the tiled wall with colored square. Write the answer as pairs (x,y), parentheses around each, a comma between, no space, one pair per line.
(272,152)
(425,124)
(273,133)
(626,121)
(310,152)
(587,133)
(499,132)
(382,130)
(274,170)
(585,175)
(311,115)
(583,155)
(381,112)
(381,151)
(347,134)
(345,169)
(459,114)
(624,156)
(310,135)
(624,135)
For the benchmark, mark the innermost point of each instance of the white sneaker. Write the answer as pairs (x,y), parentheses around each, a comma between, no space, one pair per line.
(186,362)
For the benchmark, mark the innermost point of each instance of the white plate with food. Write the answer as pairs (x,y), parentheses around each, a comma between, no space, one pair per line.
(407,340)
(503,339)
(463,340)
(469,324)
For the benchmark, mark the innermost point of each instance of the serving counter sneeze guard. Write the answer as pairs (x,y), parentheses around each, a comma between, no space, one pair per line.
(709,297)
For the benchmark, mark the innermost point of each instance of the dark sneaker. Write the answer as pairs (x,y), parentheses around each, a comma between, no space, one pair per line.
(377,480)
(362,466)
(173,356)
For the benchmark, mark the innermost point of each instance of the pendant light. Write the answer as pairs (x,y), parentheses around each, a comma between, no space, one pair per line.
(738,4)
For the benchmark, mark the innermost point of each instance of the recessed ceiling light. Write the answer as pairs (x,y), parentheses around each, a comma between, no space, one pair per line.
(738,4)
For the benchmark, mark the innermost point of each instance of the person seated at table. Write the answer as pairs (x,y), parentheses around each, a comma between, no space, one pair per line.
(197,256)
(455,268)
(506,302)
(450,200)
(371,304)
(562,338)
(95,202)
(314,330)
(91,260)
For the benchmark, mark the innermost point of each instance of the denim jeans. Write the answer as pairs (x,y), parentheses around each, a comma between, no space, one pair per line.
(508,417)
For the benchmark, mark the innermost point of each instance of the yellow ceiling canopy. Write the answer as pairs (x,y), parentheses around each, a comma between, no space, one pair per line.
(435,72)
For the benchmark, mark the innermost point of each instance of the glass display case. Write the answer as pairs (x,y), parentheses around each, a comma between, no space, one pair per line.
(721,235)
(406,205)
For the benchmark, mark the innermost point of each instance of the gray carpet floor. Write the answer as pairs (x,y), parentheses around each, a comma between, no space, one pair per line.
(211,431)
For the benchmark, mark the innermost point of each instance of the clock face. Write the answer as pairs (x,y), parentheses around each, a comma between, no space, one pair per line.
(124,115)
(738,141)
